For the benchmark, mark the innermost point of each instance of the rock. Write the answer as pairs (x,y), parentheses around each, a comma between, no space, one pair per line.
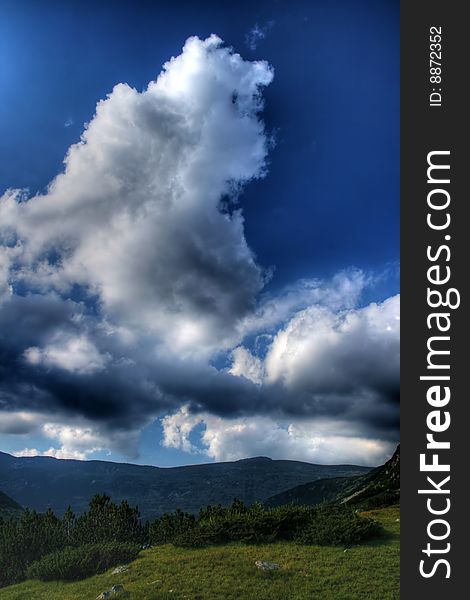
(265,565)
(117,589)
(120,569)
(114,591)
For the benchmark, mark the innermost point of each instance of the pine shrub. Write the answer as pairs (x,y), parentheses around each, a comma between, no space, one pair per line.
(74,563)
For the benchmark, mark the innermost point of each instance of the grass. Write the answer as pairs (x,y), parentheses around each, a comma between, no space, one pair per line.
(366,572)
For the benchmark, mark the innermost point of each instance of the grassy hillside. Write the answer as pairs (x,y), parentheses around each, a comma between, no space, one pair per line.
(380,487)
(43,482)
(366,572)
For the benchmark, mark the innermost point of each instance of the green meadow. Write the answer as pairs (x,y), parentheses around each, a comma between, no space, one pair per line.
(369,571)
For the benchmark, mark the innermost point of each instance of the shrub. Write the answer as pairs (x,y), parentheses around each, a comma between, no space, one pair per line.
(335,526)
(27,539)
(170,526)
(290,519)
(216,525)
(326,525)
(73,563)
(106,521)
(34,535)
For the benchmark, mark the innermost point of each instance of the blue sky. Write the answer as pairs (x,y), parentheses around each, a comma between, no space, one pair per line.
(328,203)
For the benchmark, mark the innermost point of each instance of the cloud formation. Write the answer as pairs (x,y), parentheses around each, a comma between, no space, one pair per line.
(125,283)
(76,355)
(332,374)
(136,218)
(310,440)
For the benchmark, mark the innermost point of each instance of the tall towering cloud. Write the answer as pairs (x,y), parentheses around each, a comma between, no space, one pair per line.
(137,219)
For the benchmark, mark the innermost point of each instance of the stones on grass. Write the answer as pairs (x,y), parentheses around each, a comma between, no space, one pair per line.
(117,589)
(114,591)
(120,569)
(265,565)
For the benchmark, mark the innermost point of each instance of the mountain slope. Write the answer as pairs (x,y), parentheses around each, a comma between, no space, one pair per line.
(313,492)
(8,507)
(43,482)
(379,487)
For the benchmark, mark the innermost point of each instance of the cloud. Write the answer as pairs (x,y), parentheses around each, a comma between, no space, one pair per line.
(75,442)
(136,218)
(256,34)
(340,364)
(77,355)
(246,365)
(323,363)
(137,252)
(331,362)
(327,391)
(53,452)
(128,281)
(233,439)
(80,441)
(342,291)
(338,352)
(19,422)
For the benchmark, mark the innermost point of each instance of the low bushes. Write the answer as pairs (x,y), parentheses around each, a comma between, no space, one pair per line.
(171,525)
(34,535)
(336,526)
(73,563)
(326,525)
(48,547)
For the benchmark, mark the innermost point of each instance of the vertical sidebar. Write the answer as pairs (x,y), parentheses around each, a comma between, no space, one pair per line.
(435,432)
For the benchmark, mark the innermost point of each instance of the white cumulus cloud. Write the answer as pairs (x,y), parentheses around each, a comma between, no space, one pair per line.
(136,216)
(224,439)
(343,350)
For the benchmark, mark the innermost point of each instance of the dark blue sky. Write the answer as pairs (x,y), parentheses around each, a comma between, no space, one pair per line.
(331,197)
(330,200)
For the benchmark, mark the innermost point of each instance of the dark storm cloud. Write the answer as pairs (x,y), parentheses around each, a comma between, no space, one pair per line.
(136,383)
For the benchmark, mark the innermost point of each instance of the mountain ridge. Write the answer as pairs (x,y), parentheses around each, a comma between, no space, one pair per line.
(46,482)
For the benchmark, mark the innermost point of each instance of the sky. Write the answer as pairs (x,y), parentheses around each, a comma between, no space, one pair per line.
(199,230)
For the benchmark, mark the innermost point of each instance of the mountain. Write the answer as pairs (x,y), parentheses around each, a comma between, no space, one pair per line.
(379,487)
(41,482)
(313,492)
(8,507)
